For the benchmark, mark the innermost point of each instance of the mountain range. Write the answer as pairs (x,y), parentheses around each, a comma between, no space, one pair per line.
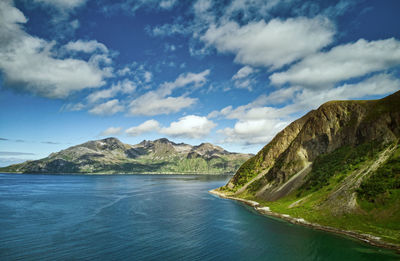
(109,156)
(337,166)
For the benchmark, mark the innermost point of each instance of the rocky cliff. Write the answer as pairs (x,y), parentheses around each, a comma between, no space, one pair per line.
(112,156)
(335,165)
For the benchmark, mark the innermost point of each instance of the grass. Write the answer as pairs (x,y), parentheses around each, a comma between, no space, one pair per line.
(338,164)
(382,187)
(378,196)
(388,229)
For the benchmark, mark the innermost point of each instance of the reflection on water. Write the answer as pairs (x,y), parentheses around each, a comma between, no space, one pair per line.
(150,217)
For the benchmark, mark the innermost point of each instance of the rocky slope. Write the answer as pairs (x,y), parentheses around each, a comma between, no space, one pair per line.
(338,165)
(112,156)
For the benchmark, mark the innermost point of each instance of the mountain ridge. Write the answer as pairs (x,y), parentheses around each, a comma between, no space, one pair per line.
(110,155)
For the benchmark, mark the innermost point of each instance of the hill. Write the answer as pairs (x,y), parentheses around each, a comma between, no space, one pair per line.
(337,166)
(111,156)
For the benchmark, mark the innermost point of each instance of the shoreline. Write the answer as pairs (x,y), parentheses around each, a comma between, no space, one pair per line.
(366,238)
(132,173)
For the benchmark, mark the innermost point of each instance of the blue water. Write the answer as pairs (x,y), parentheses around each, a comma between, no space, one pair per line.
(151,217)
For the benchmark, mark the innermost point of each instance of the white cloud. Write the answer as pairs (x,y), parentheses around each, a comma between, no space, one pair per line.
(125,86)
(243,79)
(102,94)
(167,4)
(147,126)
(243,72)
(43,73)
(62,4)
(281,95)
(124,71)
(252,131)
(341,63)
(148,76)
(274,44)
(73,107)
(152,103)
(160,102)
(190,126)
(197,79)
(86,46)
(168,30)
(108,108)
(380,84)
(74,24)
(111,131)
(225,111)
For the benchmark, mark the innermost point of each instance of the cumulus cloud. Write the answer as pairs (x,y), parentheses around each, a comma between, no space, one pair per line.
(43,73)
(190,126)
(197,79)
(167,4)
(73,107)
(160,102)
(148,76)
(250,132)
(342,62)
(86,46)
(111,131)
(243,72)
(108,108)
(147,126)
(125,86)
(272,44)
(281,95)
(243,79)
(132,6)
(380,84)
(152,103)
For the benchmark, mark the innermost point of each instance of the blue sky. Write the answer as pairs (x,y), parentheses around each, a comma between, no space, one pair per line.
(233,73)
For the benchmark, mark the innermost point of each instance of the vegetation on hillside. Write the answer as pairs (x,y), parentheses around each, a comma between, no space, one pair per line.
(384,184)
(338,163)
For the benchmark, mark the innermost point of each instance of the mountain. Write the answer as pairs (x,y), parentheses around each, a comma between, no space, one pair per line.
(337,166)
(112,156)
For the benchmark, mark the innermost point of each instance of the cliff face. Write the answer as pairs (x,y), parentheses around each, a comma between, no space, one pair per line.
(333,125)
(112,156)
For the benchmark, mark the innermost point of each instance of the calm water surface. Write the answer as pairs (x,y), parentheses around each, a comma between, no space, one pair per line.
(150,217)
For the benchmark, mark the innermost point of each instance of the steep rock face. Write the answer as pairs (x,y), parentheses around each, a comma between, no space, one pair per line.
(112,156)
(333,125)
(266,157)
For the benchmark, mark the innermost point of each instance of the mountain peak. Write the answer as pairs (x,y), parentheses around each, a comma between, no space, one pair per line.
(111,140)
(163,140)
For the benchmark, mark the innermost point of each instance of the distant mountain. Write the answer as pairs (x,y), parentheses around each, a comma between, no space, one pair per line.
(112,156)
(338,165)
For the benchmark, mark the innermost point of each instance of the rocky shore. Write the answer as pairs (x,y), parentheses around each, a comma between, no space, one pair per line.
(369,239)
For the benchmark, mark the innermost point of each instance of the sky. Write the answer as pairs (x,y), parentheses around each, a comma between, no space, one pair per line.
(230,72)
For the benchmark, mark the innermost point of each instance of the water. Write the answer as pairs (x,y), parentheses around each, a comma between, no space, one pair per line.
(151,217)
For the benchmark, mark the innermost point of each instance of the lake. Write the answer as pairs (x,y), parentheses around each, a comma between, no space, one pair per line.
(151,217)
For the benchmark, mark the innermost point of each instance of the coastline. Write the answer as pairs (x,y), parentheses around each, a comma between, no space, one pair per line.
(366,238)
(130,173)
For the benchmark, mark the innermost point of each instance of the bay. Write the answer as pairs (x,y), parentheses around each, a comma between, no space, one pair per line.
(151,217)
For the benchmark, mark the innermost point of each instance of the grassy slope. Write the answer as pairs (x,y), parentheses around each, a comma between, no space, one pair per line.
(379,213)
